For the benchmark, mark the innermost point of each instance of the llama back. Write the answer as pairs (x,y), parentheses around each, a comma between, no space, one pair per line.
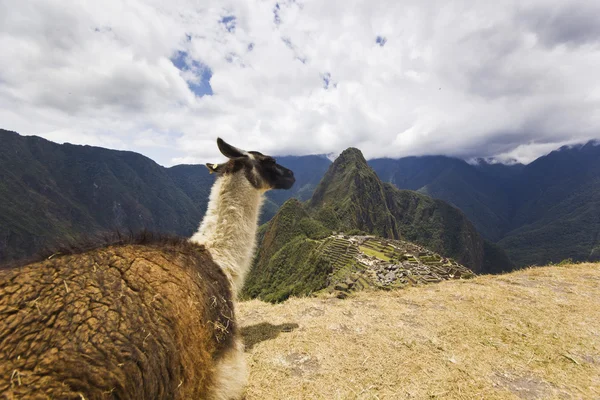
(128,321)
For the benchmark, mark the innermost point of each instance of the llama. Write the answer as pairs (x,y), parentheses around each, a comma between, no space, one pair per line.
(140,317)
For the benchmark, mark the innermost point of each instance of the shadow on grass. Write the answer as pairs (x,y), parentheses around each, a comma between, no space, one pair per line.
(254,334)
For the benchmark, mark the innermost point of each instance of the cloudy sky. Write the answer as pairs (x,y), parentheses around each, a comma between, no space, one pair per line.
(506,79)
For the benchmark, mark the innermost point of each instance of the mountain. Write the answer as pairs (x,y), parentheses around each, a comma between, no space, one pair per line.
(297,248)
(474,191)
(51,193)
(351,196)
(558,211)
(542,212)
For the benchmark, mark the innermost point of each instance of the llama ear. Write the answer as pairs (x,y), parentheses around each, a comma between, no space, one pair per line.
(229,151)
(212,168)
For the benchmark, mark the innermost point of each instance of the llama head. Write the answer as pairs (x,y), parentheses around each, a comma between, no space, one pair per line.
(262,171)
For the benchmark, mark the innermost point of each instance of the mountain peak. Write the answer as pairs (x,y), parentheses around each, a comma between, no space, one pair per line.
(351,196)
(351,154)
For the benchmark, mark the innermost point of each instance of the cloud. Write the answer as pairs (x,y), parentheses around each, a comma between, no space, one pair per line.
(462,78)
(564,24)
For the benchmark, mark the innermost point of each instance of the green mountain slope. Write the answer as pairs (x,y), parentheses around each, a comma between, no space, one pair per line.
(539,213)
(51,193)
(472,190)
(437,225)
(351,196)
(286,263)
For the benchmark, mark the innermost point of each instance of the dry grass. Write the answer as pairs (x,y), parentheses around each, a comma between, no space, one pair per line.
(533,334)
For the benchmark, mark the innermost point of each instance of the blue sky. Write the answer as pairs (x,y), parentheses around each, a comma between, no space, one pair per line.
(201,73)
(510,80)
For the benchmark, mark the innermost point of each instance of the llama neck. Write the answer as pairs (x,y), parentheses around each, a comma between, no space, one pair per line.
(228,229)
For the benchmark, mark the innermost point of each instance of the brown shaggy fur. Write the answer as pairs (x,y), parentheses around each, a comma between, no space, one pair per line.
(146,318)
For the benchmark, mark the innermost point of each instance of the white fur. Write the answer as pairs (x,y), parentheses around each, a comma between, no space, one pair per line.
(228,229)
(231,375)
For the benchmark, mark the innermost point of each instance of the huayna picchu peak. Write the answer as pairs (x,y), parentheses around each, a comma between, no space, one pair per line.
(351,196)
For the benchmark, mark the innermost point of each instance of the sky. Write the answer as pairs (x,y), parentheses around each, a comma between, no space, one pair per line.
(509,80)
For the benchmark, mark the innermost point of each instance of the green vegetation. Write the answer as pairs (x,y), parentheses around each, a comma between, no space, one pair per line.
(352,198)
(294,270)
(52,193)
(538,213)
(374,253)
(287,262)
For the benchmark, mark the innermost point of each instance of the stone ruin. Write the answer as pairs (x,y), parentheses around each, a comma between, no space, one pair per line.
(368,261)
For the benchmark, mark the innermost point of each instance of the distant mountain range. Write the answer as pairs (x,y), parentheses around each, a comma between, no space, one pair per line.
(52,193)
(543,212)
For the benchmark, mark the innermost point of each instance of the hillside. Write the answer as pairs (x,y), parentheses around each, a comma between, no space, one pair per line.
(51,193)
(542,212)
(479,193)
(558,215)
(531,334)
(298,256)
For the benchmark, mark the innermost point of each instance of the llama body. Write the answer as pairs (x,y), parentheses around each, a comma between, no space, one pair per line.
(142,318)
(112,323)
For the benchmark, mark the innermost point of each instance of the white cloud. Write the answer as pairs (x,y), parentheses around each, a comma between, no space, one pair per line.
(462,78)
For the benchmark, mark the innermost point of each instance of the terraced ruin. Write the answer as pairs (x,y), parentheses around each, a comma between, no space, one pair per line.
(360,262)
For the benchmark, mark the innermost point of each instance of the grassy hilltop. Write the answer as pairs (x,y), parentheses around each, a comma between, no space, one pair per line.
(531,334)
